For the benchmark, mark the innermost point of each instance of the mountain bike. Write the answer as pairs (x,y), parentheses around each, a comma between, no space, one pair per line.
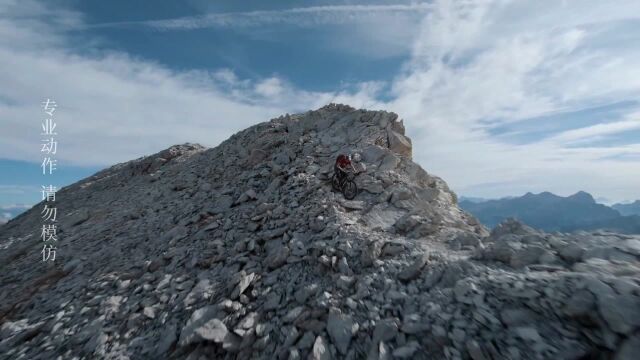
(346,185)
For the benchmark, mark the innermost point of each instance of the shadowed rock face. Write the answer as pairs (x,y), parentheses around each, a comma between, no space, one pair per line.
(244,250)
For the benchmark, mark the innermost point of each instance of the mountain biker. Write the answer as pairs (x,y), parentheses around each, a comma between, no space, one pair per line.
(342,179)
(343,165)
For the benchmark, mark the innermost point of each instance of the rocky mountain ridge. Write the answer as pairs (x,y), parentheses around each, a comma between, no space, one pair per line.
(245,251)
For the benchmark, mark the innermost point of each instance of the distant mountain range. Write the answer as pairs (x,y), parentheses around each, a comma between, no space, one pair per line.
(628,209)
(551,212)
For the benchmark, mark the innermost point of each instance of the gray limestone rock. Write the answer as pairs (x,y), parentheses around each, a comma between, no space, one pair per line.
(272,301)
(341,329)
(407,351)
(466,290)
(621,312)
(213,330)
(389,162)
(79,217)
(303,294)
(167,339)
(277,257)
(399,143)
(306,341)
(198,318)
(202,291)
(572,252)
(528,333)
(412,271)
(629,349)
(385,330)
(632,246)
(517,317)
(320,350)
(475,351)
(582,303)
(526,256)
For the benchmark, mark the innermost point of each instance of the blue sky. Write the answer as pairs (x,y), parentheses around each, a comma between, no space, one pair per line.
(500,97)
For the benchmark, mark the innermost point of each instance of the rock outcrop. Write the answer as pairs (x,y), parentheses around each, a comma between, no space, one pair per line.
(245,251)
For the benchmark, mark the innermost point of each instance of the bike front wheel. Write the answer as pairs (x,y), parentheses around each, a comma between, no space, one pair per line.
(349,190)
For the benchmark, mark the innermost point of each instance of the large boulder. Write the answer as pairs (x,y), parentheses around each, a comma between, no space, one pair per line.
(399,143)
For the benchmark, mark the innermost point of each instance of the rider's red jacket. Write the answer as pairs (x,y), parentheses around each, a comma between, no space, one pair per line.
(343,161)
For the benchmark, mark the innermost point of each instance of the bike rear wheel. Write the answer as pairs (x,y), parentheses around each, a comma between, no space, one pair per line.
(335,182)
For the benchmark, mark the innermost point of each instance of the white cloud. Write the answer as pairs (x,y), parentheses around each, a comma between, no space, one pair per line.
(593,132)
(15,207)
(114,107)
(306,17)
(374,31)
(270,87)
(17,190)
(474,65)
(479,64)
